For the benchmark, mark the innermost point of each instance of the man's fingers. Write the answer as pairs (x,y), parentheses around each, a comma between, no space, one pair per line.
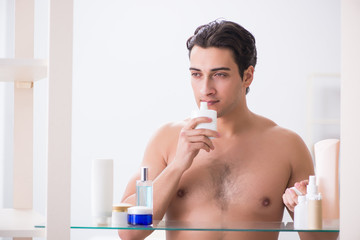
(304,183)
(195,121)
(290,199)
(201,145)
(203,132)
(288,202)
(189,129)
(301,186)
(202,139)
(293,196)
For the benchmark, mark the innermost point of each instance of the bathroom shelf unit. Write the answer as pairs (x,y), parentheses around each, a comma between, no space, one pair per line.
(328,226)
(19,221)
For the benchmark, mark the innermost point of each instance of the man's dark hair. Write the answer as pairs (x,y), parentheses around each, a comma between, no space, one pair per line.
(230,35)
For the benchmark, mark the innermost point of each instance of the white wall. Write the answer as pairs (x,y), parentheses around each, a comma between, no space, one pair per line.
(131,75)
(350,118)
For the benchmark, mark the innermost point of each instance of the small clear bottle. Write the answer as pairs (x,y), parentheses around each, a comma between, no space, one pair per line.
(144,190)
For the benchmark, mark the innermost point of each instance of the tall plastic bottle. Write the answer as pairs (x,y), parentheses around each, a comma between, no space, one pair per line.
(205,112)
(300,214)
(102,191)
(314,205)
(144,190)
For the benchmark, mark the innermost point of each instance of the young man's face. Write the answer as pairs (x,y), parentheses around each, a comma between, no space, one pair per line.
(215,78)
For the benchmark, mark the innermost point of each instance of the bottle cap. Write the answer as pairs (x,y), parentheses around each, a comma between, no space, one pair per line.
(203,106)
(311,187)
(144,174)
(140,210)
(121,207)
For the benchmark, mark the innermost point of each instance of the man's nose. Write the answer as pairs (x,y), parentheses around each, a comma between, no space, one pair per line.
(207,87)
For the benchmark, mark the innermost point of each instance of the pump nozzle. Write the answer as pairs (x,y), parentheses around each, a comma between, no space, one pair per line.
(144,174)
(203,106)
(312,180)
(312,188)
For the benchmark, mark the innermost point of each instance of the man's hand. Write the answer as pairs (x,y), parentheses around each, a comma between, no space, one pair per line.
(290,198)
(191,140)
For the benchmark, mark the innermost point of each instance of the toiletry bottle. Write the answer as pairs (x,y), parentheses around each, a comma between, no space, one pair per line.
(205,112)
(297,191)
(300,213)
(314,205)
(102,191)
(144,190)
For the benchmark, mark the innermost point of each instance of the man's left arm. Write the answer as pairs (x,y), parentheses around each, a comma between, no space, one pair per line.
(301,168)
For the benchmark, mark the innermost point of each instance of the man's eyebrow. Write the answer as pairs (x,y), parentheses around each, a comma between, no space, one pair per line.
(212,70)
(194,69)
(220,68)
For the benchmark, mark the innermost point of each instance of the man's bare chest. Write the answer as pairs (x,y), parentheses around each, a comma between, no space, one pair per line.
(234,180)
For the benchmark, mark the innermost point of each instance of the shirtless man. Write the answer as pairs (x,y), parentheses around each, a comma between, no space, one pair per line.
(242,172)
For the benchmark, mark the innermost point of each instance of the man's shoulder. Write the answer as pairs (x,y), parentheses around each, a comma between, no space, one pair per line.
(281,132)
(290,144)
(169,131)
(164,140)
(172,127)
(278,133)
(292,148)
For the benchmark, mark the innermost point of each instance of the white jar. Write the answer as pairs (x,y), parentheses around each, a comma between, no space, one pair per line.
(119,215)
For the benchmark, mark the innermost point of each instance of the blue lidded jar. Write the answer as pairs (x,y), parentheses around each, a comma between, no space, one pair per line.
(140,215)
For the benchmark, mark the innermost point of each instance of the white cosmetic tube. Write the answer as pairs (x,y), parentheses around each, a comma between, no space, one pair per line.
(102,191)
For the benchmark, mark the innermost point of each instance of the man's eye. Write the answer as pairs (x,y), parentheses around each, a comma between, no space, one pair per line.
(220,75)
(195,74)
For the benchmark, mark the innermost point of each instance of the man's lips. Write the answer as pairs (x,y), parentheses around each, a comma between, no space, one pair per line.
(210,102)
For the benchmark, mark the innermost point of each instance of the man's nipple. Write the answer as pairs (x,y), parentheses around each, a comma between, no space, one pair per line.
(266,202)
(180,193)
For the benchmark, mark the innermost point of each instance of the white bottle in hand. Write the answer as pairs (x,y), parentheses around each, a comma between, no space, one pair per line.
(205,112)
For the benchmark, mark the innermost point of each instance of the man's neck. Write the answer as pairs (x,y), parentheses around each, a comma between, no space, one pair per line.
(235,122)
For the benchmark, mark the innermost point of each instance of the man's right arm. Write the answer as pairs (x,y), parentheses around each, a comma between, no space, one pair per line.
(166,173)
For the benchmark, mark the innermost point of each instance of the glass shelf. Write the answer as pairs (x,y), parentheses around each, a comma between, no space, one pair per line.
(19,223)
(328,226)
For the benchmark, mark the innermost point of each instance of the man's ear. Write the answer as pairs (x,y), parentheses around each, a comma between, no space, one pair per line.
(248,76)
